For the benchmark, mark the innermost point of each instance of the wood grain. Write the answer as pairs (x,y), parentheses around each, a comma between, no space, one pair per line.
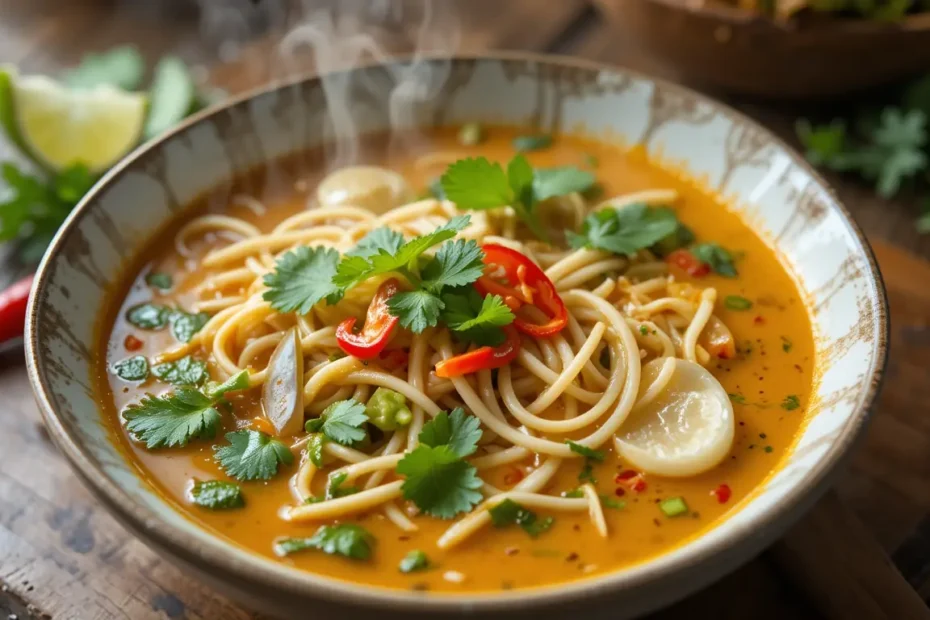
(63,556)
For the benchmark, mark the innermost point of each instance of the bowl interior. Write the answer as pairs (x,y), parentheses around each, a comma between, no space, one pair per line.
(767,184)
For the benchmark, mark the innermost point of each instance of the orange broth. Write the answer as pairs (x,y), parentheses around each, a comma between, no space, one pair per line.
(776,361)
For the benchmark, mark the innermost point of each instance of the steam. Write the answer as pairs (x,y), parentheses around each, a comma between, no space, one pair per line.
(331,36)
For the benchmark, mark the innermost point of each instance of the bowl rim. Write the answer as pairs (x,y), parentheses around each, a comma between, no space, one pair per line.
(240,566)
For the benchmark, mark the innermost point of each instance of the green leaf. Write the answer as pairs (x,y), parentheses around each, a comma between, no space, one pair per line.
(625,231)
(346,539)
(473,318)
(585,451)
(252,455)
(509,512)
(302,278)
(148,316)
(534,142)
(609,502)
(476,184)
(520,177)
(458,430)
(416,310)
(415,560)
(217,494)
(551,182)
(334,488)
(315,444)
(238,381)
(719,259)
(185,371)
(737,303)
(378,239)
(824,145)
(184,324)
(173,419)
(457,263)
(791,402)
(438,481)
(70,185)
(343,422)
(121,67)
(161,281)
(171,97)
(132,369)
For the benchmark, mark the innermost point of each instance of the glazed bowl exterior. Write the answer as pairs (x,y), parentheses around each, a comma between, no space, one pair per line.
(762,179)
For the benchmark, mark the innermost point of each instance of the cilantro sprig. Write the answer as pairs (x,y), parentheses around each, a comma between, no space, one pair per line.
(438,479)
(509,512)
(342,422)
(478,184)
(346,539)
(625,231)
(252,455)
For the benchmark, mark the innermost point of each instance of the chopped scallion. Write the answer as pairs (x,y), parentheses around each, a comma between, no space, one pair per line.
(674,507)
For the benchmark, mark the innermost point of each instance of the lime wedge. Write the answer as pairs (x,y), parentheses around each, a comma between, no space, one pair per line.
(60,127)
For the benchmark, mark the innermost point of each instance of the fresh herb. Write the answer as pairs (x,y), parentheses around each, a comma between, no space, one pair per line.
(184,324)
(736,302)
(173,419)
(185,371)
(342,422)
(438,480)
(786,344)
(216,494)
(719,259)
(790,403)
(121,67)
(625,231)
(534,142)
(477,184)
(509,512)
(471,134)
(334,488)
(674,507)
(586,474)
(302,278)
(769,449)
(473,318)
(315,443)
(132,369)
(346,539)
(238,381)
(148,316)
(585,451)
(161,281)
(614,504)
(739,399)
(172,96)
(414,561)
(573,494)
(252,455)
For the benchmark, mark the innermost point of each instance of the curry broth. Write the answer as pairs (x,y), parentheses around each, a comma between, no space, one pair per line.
(776,361)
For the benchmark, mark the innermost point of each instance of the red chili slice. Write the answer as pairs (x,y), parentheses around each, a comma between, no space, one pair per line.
(519,281)
(379,324)
(13,309)
(689,263)
(480,359)
(722,493)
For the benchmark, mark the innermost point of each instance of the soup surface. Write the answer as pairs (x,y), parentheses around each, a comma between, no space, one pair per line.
(691,449)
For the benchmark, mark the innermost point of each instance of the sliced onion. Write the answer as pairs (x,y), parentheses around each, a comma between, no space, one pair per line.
(283,393)
(370,187)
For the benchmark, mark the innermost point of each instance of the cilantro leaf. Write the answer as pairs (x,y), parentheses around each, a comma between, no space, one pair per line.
(238,381)
(585,451)
(216,494)
(185,371)
(343,422)
(416,310)
(415,560)
(378,239)
(897,153)
(252,455)
(121,67)
(315,444)
(148,316)
(551,182)
(132,369)
(719,259)
(161,281)
(475,319)
(509,512)
(457,263)
(184,324)
(625,231)
(301,279)
(346,539)
(520,177)
(334,488)
(476,183)
(458,430)
(173,419)
(438,481)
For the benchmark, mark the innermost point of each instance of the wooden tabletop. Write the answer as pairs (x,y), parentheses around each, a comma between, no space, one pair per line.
(853,556)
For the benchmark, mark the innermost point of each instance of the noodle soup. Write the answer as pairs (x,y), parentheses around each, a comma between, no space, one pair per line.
(503,362)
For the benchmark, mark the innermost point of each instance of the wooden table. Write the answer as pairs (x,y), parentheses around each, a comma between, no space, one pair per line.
(61,556)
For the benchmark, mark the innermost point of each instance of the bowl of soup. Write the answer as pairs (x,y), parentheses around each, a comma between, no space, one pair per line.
(494,336)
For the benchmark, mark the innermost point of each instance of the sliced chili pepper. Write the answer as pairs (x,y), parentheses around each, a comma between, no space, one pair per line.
(481,359)
(519,281)
(722,493)
(689,263)
(631,479)
(379,324)
(13,309)
(131,343)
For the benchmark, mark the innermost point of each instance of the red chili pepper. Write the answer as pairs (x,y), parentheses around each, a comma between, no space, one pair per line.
(689,263)
(131,343)
(13,309)
(631,479)
(722,493)
(480,359)
(379,324)
(519,281)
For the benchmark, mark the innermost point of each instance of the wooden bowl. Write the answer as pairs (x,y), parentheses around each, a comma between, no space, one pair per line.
(743,53)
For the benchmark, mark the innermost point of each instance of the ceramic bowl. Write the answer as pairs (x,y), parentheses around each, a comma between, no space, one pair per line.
(740,52)
(768,184)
